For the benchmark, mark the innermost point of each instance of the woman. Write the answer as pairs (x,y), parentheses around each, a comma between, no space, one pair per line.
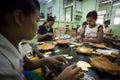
(18,21)
(45,32)
(93,32)
(107,28)
(81,31)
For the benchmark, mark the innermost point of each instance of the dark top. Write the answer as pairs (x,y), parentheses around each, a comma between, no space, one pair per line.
(42,30)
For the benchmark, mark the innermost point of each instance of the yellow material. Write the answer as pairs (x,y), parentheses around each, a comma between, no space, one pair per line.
(39,70)
(57,51)
(48,53)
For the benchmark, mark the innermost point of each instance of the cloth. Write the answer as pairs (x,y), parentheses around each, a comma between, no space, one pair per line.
(79,29)
(42,30)
(36,74)
(11,61)
(26,49)
(107,29)
(91,33)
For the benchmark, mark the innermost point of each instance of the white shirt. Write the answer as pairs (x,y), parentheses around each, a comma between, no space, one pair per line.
(25,50)
(11,61)
(106,29)
(91,33)
(79,29)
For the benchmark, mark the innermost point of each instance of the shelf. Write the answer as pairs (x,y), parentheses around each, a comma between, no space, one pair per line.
(77,16)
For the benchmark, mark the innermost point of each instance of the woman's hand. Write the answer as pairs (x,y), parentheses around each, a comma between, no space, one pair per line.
(58,60)
(71,73)
(49,34)
(86,40)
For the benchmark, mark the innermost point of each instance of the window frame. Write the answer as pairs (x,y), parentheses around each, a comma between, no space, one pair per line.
(117,16)
(101,15)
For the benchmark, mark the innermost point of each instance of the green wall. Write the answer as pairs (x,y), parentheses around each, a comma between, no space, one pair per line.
(107,7)
(55,9)
(42,8)
(58,11)
(115,28)
(87,5)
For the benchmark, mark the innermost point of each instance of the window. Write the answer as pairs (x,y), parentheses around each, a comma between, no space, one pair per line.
(68,13)
(78,6)
(68,2)
(49,13)
(117,16)
(101,16)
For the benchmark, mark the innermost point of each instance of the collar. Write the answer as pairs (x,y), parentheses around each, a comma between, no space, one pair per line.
(10,52)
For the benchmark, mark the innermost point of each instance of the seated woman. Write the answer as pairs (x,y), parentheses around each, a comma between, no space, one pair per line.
(107,28)
(80,31)
(93,32)
(45,31)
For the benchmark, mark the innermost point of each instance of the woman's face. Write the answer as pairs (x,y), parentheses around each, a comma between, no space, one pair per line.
(30,25)
(49,24)
(106,24)
(91,21)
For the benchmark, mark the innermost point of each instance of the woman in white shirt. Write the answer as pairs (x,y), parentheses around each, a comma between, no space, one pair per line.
(107,28)
(93,32)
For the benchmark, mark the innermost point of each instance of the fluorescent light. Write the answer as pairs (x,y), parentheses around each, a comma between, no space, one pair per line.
(49,1)
(116,4)
(105,2)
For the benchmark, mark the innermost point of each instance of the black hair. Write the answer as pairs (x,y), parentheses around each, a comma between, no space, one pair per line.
(92,14)
(50,18)
(107,21)
(26,6)
(84,23)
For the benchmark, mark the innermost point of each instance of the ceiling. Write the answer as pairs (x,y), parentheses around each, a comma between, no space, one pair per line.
(108,0)
(43,1)
(104,1)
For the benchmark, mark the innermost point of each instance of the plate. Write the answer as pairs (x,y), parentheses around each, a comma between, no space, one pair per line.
(45,46)
(109,34)
(97,45)
(62,41)
(108,52)
(105,65)
(84,50)
(76,44)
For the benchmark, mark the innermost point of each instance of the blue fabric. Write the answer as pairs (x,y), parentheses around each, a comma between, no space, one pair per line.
(42,30)
(32,75)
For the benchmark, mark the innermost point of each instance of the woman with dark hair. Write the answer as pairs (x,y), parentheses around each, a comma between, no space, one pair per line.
(45,31)
(18,21)
(80,32)
(107,28)
(93,32)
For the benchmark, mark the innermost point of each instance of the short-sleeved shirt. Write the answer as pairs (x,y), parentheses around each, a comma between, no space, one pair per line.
(42,30)
(106,29)
(91,33)
(11,61)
